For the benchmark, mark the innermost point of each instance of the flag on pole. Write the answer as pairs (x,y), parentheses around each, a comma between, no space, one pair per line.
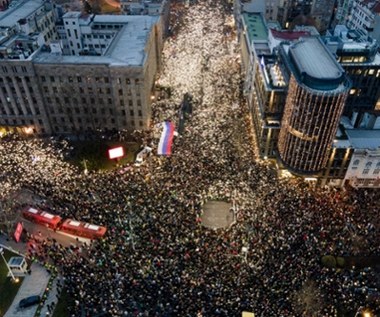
(166,140)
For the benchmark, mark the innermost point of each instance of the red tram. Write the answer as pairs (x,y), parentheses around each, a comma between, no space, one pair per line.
(41,217)
(83,229)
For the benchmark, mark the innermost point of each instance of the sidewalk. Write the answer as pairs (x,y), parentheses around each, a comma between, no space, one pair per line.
(33,284)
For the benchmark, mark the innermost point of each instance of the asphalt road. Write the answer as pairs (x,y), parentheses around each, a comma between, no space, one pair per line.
(42,232)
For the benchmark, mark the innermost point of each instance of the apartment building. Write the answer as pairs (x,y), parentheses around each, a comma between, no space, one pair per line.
(358,55)
(365,17)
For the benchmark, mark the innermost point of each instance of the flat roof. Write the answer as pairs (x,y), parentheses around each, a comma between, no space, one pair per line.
(126,49)
(256,27)
(20,10)
(312,58)
(364,139)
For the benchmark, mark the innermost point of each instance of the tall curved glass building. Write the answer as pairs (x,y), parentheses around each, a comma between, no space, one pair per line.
(317,91)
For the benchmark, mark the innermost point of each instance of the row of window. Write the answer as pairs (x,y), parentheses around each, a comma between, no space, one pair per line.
(367,165)
(79,79)
(90,124)
(17,122)
(95,111)
(14,69)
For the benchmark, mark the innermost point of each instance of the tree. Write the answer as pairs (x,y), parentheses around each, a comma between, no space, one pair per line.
(308,300)
(87,7)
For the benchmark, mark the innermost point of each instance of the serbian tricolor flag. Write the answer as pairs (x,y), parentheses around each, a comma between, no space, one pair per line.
(166,140)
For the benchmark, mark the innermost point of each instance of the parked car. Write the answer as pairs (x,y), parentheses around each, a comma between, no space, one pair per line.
(29,301)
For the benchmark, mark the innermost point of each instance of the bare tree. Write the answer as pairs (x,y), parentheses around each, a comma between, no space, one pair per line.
(308,300)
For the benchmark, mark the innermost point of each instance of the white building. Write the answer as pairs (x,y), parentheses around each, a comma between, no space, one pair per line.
(25,26)
(148,7)
(364,167)
(365,16)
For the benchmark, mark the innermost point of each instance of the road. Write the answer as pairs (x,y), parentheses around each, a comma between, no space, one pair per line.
(41,232)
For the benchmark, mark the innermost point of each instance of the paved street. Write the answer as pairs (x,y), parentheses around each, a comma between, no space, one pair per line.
(33,284)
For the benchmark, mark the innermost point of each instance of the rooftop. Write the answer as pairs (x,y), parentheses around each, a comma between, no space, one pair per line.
(364,139)
(312,58)
(289,35)
(19,10)
(314,65)
(256,27)
(15,261)
(126,49)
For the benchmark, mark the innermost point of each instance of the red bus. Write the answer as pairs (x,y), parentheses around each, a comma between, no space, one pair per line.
(41,217)
(83,229)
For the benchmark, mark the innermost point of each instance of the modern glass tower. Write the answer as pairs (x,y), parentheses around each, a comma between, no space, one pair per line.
(318,88)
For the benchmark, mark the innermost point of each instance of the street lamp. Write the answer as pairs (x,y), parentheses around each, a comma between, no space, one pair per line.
(9,269)
(363,312)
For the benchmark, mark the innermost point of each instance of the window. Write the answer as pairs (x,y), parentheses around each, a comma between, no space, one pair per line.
(356,162)
(131,112)
(140,113)
(366,171)
(368,165)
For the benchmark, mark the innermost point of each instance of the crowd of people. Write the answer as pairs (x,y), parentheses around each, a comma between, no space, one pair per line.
(156,258)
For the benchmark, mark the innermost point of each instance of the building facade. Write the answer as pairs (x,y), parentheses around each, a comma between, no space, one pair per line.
(315,101)
(322,12)
(364,168)
(343,11)
(365,17)
(105,82)
(159,8)
(24,27)
(359,57)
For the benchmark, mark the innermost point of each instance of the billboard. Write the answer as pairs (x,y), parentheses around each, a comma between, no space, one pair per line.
(18,232)
(116,152)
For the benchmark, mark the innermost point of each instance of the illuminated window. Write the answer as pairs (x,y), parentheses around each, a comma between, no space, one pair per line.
(371,72)
(352,91)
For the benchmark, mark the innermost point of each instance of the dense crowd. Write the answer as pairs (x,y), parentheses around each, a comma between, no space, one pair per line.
(157,259)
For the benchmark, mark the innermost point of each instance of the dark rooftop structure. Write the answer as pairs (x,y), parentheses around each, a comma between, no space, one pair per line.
(314,65)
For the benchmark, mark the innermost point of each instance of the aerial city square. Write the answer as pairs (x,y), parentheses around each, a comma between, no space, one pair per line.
(190,158)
